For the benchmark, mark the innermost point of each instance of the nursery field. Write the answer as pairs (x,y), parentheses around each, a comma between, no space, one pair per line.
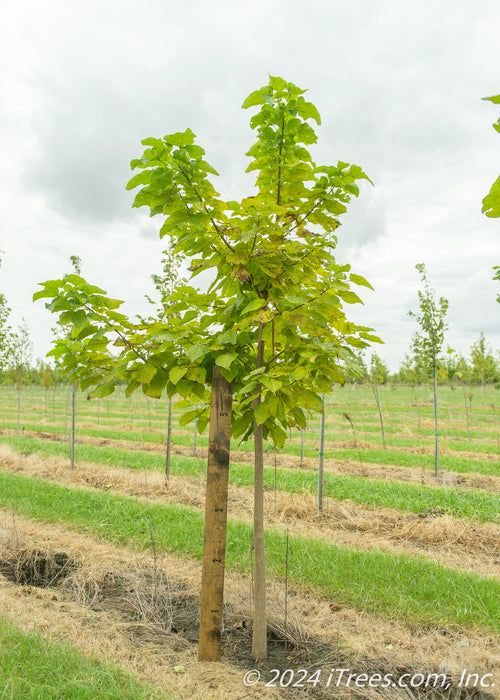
(391,591)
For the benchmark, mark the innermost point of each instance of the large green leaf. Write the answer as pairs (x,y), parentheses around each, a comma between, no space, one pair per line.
(145,374)
(176,374)
(226,359)
(190,416)
(309,399)
(254,98)
(180,138)
(495,99)
(491,203)
(358,279)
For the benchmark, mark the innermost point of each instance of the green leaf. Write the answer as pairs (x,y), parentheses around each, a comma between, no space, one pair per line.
(185,388)
(278,435)
(196,374)
(145,374)
(300,372)
(180,138)
(142,178)
(296,300)
(197,351)
(203,421)
(495,99)
(271,383)
(253,305)
(261,413)
(176,374)
(491,203)
(157,384)
(358,279)
(350,297)
(277,83)
(206,167)
(190,416)
(226,359)
(102,391)
(50,289)
(254,98)
(308,110)
(309,399)
(131,387)
(195,151)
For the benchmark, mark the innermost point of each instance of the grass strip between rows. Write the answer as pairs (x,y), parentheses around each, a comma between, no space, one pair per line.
(111,429)
(406,458)
(474,504)
(411,589)
(34,667)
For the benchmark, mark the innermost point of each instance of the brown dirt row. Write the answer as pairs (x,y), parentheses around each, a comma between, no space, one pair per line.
(461,544)
(96,624)
(416,475)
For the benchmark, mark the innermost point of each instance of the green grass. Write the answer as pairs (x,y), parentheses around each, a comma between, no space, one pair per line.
(33,667)
(412,589)
(453,463)
(479,505)
(374,455)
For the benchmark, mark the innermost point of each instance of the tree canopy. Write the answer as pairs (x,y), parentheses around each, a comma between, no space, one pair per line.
(275,279)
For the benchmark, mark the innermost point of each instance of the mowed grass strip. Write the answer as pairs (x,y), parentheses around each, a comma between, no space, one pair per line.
(414,590)
(405,458)
(34,667)
(157,434)
(470,503)
(453,463)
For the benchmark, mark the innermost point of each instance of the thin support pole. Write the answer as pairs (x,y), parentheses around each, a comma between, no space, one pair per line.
(436,460)
(321,457)
(169,441)
(72,447)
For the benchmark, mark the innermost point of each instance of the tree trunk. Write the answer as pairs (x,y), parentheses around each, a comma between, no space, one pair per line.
(214,548)
(259,640)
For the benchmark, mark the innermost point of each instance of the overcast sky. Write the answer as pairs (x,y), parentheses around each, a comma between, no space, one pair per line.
(398,85)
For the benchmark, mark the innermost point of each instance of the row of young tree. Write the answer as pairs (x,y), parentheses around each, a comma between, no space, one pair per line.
(482,366)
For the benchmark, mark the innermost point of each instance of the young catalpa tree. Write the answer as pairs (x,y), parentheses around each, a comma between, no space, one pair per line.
(429,342)
(273,320)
